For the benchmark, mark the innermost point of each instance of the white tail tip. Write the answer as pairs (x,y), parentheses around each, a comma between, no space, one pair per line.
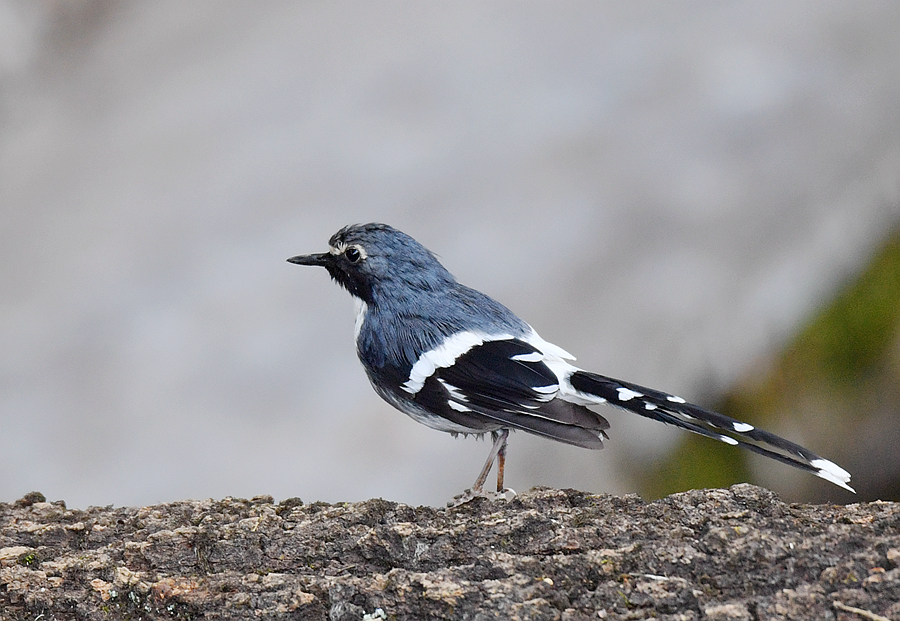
(830,471)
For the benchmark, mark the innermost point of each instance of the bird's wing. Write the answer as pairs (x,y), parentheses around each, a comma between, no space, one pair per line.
(507,381)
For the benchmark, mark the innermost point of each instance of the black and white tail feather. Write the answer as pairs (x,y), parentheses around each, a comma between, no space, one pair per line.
(676,411)
(458,361)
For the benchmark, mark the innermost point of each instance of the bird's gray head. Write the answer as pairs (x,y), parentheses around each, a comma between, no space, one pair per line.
(371,260)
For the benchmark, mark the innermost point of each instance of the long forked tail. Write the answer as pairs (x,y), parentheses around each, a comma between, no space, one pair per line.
(676,411)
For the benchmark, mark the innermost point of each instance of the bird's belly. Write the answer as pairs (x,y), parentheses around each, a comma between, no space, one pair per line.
(439,422)
(429,419)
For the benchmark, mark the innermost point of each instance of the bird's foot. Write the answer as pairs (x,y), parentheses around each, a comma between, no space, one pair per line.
(507,493)
(471,494)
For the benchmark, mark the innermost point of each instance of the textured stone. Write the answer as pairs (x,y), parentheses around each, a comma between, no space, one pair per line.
(736,553)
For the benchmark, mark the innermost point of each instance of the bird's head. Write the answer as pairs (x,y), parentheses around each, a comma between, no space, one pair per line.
(374,260)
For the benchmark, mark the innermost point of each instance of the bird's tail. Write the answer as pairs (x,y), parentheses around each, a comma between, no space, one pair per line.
(676,411)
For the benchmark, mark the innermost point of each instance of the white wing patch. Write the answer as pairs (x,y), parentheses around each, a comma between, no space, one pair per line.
(547,393)
(556,358)
(459,407)
(444,355)
(453,390)
(548,349)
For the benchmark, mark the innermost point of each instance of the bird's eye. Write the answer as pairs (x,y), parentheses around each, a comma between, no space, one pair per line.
(353,254)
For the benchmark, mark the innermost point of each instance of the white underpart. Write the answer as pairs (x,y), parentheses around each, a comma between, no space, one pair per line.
(626,394)
(742,427)
(444,355)
(830,471)
(361,308)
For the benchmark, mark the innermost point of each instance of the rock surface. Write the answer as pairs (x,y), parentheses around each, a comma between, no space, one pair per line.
(736,553)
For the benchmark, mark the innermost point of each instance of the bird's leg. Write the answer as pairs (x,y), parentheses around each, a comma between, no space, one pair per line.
(503,492)
(498,453)
(501,460)
(499,440)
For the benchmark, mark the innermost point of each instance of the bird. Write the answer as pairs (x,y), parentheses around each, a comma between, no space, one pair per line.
(458,361)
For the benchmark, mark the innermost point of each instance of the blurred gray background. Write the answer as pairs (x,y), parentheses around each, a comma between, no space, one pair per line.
(665,189)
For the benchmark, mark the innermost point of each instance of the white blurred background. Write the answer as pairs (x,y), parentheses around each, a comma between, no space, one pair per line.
(665,189)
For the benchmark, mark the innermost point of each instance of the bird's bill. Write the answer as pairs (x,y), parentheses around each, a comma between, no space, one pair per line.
(322,259)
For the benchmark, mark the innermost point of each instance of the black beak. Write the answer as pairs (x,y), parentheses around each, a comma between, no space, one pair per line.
(312,259)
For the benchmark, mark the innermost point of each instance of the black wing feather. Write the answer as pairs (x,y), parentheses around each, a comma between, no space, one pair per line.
(488,381)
